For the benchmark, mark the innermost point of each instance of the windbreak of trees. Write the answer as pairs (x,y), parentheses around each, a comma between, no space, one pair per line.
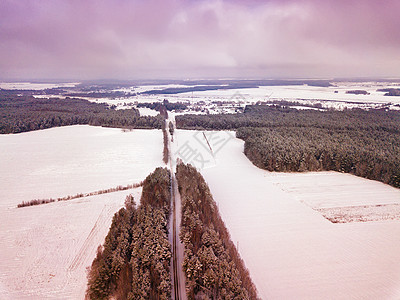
(26,113)
(165,142)
(363,143)
(134,262)
(171,128)
(213,267)
(79,195)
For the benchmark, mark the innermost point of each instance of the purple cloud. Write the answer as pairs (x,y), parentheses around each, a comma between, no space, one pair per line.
(176,38)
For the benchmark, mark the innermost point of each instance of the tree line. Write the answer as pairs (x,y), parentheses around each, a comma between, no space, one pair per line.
(277,138)
(165,142)
(170,106)
(134,262)
(373,154)
(390,92)
(79,195)
(26,113)
(164,114)
(283,116)
(212,265)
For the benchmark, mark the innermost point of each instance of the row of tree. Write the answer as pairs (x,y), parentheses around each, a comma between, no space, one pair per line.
(212,265)
(134,262)
(79,195)
(277,138)
(26,113)
(165,142)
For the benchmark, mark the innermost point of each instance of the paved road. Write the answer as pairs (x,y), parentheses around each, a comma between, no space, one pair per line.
(178,277)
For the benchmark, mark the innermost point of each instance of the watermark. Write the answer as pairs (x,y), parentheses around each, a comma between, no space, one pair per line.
(201,149)
(213,141)
(238,98)
(191,155)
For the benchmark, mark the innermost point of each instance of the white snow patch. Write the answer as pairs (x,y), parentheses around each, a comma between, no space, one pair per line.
(144,111)
(34,86)
(291,250)
(45,249)
(338,189)
(68,160)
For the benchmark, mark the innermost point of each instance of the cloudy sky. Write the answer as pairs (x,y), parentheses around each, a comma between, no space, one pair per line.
(134,39)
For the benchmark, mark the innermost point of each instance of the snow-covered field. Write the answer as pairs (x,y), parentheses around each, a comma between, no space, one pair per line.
(68,160)
(279,221)
(294,92)
(347,198)
(33,86)
(291,250)
(45,249)
(335,96)
(144,111)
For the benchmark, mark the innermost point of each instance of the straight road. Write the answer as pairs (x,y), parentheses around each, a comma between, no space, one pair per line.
(178,277)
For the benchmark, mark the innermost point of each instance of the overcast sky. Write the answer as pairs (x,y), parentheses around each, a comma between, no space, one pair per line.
(134,39)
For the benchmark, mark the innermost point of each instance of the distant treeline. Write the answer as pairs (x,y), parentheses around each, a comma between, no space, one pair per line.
(390,92)
(209,82)
(364,143)
(134,262)
(282,116)
(199,88)
(357,92)
(111,94)
(170,106)
(286,103)
(26,113)
(232,84)
(212,265)
(210,85)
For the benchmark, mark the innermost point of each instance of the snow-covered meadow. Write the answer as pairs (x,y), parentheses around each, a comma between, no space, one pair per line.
(229,100)
(291,250)
(34,86)
(45,249)
(335,96)
(278,221)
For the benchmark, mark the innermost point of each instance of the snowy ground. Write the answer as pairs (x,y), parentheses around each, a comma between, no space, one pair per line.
(33,86)
(291,250)
(229,100)
(293,92)
(45,249)
(346,198)
(68,160)
(178,247)
(144,111)
(328,97)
